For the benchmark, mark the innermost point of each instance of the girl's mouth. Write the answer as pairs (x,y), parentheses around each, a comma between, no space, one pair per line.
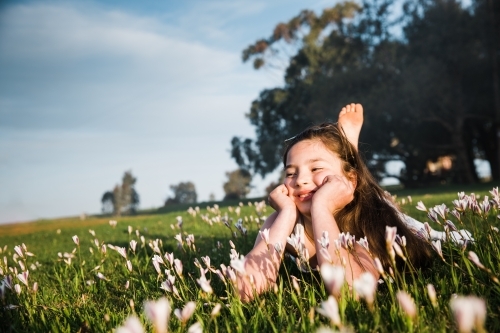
(305,196)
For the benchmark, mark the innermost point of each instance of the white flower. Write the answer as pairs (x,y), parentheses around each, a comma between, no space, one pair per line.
(330,309)
(122,251)
(431,291)
(101,276)
(158,313)
(23,277)
(475,259)
(406,303)
(195,328)
(178,266)
(129,265)
(264,234)
(469,313)
(365,287)
(204,284)
(76,240)
(333,277)
(131,325)
(216,310)
(112,223)
(186,312)
(133,245)
(17,288)
(421,206)
(239,265)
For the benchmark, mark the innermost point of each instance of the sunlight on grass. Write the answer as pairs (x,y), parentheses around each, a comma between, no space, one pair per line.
(177,271)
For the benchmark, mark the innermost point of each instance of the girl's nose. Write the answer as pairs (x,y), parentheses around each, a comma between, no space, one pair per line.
(302,179)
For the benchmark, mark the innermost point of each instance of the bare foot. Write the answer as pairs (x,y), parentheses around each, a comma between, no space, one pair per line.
(351,120)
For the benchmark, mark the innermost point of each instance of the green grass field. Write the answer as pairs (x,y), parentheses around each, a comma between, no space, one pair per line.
(95,286)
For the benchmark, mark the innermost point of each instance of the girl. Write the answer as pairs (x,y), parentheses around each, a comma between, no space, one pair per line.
(328,189)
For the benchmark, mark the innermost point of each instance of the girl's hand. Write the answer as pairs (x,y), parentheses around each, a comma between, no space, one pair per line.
(279,199)
(334,194)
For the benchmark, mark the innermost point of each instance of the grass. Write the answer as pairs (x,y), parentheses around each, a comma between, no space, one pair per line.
(88,287)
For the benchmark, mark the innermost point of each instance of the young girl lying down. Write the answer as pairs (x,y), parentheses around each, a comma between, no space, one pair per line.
(329,190)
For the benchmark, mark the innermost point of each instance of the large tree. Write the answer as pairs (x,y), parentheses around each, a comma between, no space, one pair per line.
(237,185)
(424,92)
(124,199)
(184,192)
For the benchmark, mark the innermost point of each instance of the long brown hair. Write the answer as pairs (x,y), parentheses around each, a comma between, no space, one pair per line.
(371,209)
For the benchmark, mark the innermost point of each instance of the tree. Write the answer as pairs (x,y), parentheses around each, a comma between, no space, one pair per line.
(426,91)
(184,192)
(124,199)
(107,201)
(238,184)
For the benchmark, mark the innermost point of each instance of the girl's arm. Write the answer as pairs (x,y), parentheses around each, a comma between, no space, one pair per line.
(334,194)
(262,262)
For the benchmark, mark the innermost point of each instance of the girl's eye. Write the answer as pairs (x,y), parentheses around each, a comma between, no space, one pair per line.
(317,169)
(290,174)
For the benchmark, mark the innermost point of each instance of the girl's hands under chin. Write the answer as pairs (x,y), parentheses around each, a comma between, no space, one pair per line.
(279,199)
(334,194)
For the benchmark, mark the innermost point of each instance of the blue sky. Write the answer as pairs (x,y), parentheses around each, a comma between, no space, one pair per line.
(91,89)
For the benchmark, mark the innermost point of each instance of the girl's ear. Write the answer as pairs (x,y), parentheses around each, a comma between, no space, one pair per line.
(353,178)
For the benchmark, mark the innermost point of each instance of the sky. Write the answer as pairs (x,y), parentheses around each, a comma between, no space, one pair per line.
(91,89)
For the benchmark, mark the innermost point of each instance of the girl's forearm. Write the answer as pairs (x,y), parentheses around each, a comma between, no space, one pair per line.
(262,262)
(356,262)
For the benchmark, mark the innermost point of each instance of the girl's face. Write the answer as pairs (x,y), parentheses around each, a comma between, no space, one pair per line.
(308,163)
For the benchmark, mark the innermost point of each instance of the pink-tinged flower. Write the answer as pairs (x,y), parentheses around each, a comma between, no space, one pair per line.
(179,221)
(378,266)
(169,257)
(431,214)
(129,265)
(19,251)
(133,245)
(326,255)
(103,249)
(156,265)
(168,286)
(390,236)
(195,328)
(441,210)
(451,225)
(131,325)
(231,274)
(186,312)
(324,241)
(431,291)
(178,238)
(475,259)
(158,313)
(204,284)
(23,277)
(127,284)
(17,288)
(333,277)
(278,247)
(101,276)
(330,309)
(178,267)
(7,281)
(364,243)
(406,303)
(421,206)
(469,313)
(264,234)
(76,240)
(455,213)
(347,240)
(398,250)
(206,261)
(436,245)
(216,310)
(365,287)
(239,265)
(35,287)
(122,251)
(295,284)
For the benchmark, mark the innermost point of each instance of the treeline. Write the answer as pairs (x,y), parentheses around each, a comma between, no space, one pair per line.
(124,199)
(428,80)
